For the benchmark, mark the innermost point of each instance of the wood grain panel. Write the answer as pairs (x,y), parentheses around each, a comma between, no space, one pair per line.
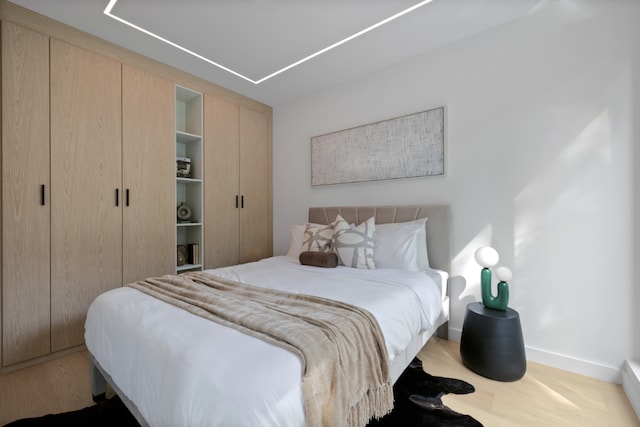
(221,182)
(25,221)
(148,110)
(255,179)
(53,387)
(86,243)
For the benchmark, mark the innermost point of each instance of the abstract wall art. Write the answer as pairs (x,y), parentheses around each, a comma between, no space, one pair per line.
(403,147)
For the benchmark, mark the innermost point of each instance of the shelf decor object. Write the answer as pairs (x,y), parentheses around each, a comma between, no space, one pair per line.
(403,147)
(181,255)
(183,167)
(184,212)
(488,257)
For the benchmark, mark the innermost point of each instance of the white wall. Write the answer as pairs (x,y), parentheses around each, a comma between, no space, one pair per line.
(631,375)
(636,199)
(539,165)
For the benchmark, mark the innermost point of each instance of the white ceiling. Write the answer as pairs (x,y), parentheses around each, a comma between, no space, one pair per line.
(256,38)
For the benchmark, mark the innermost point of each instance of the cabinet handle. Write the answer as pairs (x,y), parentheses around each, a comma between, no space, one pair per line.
(236,201)
(42,194)
(242,202)
(126,195)
(117,197)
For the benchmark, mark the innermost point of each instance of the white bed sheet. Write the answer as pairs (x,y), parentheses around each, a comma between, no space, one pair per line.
(181,369)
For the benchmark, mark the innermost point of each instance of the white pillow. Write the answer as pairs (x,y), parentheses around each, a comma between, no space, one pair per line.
(297,235)
(402,245)
(355,245)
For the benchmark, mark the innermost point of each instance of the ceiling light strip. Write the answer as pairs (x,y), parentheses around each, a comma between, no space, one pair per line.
(107,12)
(345,40)
(112,3)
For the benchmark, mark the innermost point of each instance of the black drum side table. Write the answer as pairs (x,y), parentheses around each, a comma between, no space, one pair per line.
(491,344)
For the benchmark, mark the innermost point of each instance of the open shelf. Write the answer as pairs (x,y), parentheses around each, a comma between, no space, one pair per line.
(189,189)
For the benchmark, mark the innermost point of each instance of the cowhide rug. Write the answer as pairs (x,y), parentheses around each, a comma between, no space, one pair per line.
(417,401)
(417,404)
(106,413)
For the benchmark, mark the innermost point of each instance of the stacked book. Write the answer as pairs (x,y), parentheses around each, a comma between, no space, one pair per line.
(193,253)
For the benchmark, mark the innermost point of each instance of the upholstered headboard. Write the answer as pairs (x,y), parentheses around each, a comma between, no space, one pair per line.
(438,224)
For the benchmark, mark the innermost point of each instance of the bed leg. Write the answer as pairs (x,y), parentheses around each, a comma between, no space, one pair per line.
(98,383)
(443,331)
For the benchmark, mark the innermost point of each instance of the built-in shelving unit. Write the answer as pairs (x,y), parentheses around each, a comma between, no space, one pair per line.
(189,188)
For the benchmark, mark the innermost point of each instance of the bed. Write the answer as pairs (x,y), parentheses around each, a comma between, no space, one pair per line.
(171,367)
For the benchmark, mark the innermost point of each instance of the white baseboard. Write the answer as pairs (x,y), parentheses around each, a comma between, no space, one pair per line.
(572,364)
(455,334)
(631,384)
(560,361)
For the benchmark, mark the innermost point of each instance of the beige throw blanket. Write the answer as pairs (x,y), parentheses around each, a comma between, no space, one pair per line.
(345,376)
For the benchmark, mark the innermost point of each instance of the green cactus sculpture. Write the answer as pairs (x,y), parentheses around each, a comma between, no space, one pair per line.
(488,257)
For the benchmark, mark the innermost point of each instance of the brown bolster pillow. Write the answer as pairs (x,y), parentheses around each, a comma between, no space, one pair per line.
(319,259)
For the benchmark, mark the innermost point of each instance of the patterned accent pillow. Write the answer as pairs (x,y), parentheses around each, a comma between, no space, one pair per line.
(318,238)
(355,246)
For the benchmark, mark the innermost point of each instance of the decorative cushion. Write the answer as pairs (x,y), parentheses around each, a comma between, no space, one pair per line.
(318,238)
(355,246)
(402,245)
(319,259)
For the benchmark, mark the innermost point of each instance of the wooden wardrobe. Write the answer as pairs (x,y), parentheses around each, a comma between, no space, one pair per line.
(89,181)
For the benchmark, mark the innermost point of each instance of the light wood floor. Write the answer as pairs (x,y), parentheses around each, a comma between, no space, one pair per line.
(544,397)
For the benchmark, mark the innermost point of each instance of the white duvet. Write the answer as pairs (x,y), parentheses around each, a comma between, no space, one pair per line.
(182,370)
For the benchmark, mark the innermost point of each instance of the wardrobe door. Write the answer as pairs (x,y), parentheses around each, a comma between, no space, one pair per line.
(148,146)
(255,185)
(86,178)
(222,196)
(25,195)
